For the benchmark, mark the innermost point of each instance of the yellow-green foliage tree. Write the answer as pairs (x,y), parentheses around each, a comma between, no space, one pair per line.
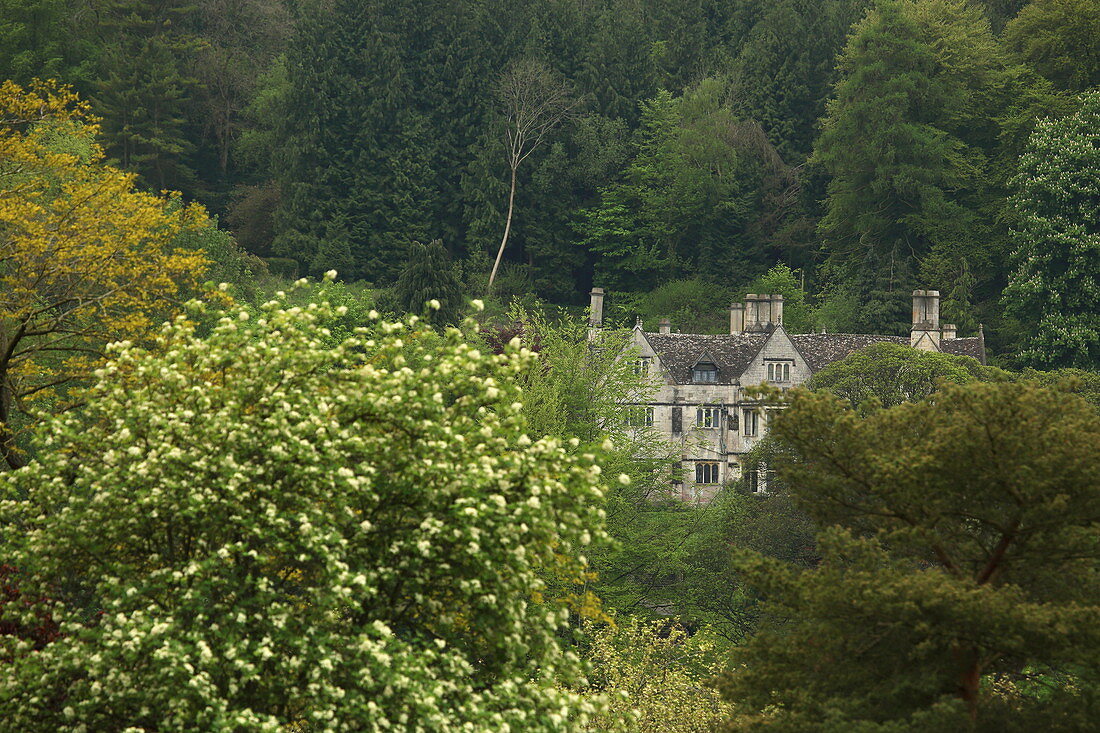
(84,257)
(655,674)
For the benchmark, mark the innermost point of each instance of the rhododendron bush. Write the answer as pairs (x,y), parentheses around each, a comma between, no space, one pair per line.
(249,529)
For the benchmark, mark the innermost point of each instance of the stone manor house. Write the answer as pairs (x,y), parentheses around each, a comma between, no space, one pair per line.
(701,405)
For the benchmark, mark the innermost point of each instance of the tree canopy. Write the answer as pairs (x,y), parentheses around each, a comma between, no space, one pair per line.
(1055,289)
(85,258)
(959,550)
(890,374)
(270,533)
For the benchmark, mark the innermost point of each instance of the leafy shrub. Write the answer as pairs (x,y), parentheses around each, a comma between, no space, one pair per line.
(655,674)
(347,538)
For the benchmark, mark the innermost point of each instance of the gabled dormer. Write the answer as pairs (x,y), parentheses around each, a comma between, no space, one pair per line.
(704,370)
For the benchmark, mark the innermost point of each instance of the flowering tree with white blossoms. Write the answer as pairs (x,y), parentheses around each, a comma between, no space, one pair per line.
(250,530)
(1055,289)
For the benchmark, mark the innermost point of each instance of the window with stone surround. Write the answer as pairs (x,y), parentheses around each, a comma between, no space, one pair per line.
(779,371)
(752,422)
(708,417)
(639,416)
(706,472)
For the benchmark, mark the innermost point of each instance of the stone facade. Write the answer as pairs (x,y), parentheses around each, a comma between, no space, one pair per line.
(701,405)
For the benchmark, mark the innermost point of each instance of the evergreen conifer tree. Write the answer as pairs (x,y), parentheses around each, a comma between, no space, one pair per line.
(429,275)
(959,547)
(786,69)
(356,177)
(144,90)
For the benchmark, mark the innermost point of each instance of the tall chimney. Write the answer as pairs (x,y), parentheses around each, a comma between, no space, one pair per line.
(777,309)
(595,313)
(752,312)
(737,318)
(665,326)
(926,308)
(926,320)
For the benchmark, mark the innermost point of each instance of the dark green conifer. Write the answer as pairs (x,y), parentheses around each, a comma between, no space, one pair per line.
(957,586)
(429,275)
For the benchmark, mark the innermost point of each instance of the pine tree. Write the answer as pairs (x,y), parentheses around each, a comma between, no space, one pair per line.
(959,544)
(1055,290)
(357,153)
(144,90)
(787,67)
(619,67)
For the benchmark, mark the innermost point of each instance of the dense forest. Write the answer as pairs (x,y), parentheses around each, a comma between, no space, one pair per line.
(870,148)
(303,426)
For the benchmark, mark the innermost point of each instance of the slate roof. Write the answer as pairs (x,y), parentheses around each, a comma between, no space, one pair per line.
(732,353)
(822,349)
(973,346)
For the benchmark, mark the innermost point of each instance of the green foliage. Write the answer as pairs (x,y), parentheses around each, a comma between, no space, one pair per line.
(959,547)
(1085,384)
(41,39)
(797,317)
(655,676)
(838,311)
(684,202)
(693,306)
(142,88)
(279,533)
(355,167)
(429,276)
(226,262)
(908,141)
(587,393)
(887,374)
(786,69)
(1054,291)
(707,590)
(1058,39)
(282,267)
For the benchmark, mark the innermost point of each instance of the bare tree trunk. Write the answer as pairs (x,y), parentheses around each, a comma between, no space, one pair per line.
(507,230)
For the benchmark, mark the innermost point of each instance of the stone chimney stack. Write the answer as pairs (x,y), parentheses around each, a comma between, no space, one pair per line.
(665,326)
(763,312)
(737,318)
(926,334)
(949,331)
(595,312)
(752,313)
(777,309)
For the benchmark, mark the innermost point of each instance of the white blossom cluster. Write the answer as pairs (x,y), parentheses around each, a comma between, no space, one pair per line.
(1055,288)
(249,530)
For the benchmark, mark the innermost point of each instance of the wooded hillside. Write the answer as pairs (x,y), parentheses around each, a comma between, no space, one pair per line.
(870,147)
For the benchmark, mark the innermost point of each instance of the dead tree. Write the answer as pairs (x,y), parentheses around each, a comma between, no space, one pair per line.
(533,101)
